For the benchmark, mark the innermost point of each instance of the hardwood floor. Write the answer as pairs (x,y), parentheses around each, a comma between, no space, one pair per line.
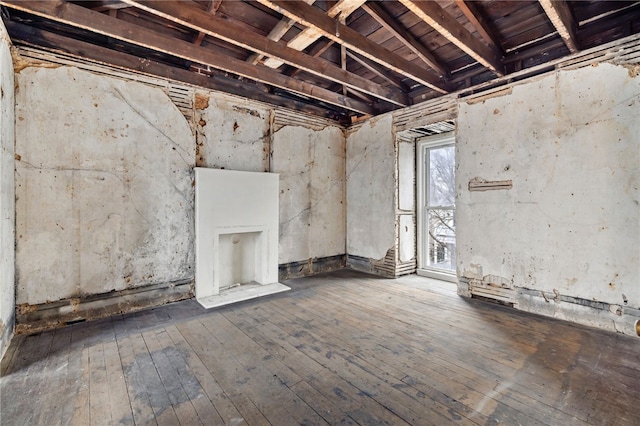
(341,348)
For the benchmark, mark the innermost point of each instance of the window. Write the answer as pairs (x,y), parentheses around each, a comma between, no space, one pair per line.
(436,198)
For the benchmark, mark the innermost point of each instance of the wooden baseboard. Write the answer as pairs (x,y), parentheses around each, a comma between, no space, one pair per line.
(312,266)
(35,318)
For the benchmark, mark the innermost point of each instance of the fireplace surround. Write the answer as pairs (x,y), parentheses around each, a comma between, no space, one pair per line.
(236,236)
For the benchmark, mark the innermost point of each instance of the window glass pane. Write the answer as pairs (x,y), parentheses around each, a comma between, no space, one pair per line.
(442,239)
(442,189)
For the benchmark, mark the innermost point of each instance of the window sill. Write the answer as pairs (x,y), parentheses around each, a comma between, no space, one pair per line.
(438,275)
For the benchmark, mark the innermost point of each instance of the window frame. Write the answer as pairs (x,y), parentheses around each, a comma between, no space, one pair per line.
(423,146)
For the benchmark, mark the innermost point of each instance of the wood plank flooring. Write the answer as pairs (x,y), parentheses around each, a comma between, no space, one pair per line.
(341,348)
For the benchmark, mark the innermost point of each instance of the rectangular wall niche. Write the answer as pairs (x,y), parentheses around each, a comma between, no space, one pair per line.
(236,236)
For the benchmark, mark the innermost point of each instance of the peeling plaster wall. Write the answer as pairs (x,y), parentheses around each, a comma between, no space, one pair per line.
(371,188)
(566,236)
(311,164)
(7,193)
(103,186)
(232,134)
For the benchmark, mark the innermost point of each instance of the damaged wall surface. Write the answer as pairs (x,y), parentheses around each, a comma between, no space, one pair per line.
(7,193)
(311,165)
(563,241)
(370,168)
(380,199)
(104,186)
(232,134)
(238,134)
(105,197)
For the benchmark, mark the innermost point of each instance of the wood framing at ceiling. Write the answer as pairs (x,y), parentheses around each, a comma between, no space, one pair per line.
(341,59)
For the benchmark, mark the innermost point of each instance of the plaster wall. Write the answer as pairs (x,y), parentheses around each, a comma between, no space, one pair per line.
(371,188)
(103,186)
(232,134)
(237,134)
(7,193)
(311,165)
(105,195)
(569,228)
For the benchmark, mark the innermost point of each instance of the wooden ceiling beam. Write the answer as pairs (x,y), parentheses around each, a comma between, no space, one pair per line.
(308,36)
(343,60)
(190,15)
(315,51)
(78,16)
(391,24)
(213,7)
(377,70)
(105,5)
(437,18)
(358,95)
(561,18)
(102,55)
(316,20)
(470,10)
(276,34)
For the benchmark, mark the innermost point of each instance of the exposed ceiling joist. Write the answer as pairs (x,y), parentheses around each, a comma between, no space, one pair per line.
(315,51)
(474,16)
(86,19)
(308,36)
(276,34)
(104,5)
(560,16)
(314,18)
(437,18)
(190,15)
(109,57)
(213,7)
(391,24)
(365,65)
(377,70)
(343,60)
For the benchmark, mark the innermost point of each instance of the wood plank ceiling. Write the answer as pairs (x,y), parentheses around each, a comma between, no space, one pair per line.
(344,59)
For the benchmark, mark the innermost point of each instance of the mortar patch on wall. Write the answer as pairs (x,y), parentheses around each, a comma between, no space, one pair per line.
(201,101)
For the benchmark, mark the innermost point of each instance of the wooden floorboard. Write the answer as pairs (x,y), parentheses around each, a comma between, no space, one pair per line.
(339,349)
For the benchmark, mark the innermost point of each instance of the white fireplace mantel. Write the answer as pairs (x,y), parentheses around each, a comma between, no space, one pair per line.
(236,236)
